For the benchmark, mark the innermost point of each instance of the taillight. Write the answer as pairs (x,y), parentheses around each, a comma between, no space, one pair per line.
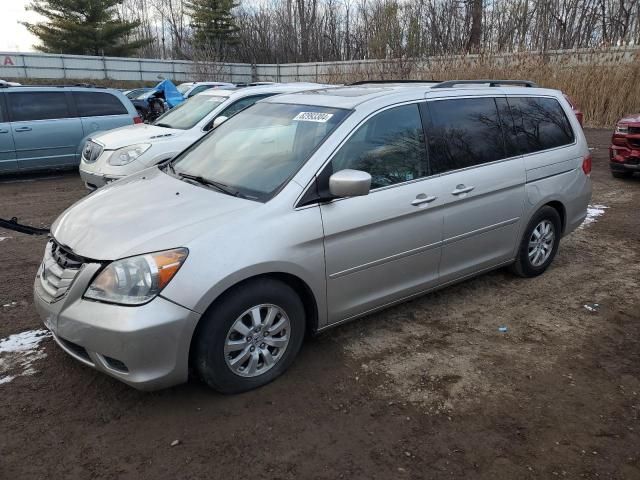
(137,120)
(586,164)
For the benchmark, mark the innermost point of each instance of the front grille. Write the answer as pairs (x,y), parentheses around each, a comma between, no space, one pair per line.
(634,130)
(634,142)
(91,151)
(57,272)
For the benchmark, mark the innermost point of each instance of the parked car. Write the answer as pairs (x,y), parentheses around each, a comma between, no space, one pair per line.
(128,150)
(137,93)
(576,109)
(45,127)
(624,152)
(305,211)
(157,100)
(190,89)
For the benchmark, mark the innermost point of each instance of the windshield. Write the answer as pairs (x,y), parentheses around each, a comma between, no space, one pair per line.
(183,87)
(189,113)
(256,151)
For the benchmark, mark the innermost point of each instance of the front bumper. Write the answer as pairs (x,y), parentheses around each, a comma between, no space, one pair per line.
(624,158)
(146,347)
(94,180)
(625,167)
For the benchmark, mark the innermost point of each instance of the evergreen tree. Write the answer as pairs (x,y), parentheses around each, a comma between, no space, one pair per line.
(213,23)
(83,27)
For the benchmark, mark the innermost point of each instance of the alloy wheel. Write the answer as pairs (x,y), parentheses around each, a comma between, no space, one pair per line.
(257,340)
(541,243)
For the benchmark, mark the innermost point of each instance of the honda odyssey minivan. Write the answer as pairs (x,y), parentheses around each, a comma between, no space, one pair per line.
(302,212)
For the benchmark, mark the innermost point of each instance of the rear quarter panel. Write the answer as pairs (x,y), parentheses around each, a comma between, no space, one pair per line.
(557,175)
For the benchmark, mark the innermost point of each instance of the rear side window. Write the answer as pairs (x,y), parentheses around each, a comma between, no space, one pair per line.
(540,123)
(464,132)
(389,146)
(26,106)
(97,104)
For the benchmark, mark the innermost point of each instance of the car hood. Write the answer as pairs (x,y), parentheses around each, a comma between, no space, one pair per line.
(132,134)
(635,118)
(145,212)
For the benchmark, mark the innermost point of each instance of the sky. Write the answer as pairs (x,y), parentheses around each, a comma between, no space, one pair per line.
(13,36)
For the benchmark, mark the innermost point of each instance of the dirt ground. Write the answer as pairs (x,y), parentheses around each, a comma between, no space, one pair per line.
(430,389)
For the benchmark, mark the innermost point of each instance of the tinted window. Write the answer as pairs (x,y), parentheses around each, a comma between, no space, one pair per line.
(3,113)
(93,104)
(540,123)
(390,147)
(37,106)
(508,128)
(464,132)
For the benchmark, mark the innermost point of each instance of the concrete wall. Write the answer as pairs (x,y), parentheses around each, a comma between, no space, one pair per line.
(60,67)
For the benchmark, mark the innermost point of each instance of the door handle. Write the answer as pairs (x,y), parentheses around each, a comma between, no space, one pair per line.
(422,199)
(4,130)
(460,189)
(23,129)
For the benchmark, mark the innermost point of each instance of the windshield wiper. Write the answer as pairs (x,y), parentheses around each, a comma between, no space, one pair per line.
(211,183)
(165,125)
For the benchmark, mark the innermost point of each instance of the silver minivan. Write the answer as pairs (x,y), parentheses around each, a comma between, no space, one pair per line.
(304,211)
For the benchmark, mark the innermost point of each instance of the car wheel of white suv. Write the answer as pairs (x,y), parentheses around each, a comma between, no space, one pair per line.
(250,336)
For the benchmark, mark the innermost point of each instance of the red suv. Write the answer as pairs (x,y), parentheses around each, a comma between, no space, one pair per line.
(624,152)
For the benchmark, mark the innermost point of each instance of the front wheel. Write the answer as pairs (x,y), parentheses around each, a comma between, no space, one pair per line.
(250,336)
(539,243)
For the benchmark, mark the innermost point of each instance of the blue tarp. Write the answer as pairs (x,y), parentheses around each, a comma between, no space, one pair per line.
(171,94)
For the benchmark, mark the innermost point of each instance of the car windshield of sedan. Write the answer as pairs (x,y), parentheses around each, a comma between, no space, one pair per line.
(189,113)
(256,151)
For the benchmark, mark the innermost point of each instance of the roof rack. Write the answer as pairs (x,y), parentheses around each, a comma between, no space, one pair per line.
(364,82)
(492,83)
(83,85)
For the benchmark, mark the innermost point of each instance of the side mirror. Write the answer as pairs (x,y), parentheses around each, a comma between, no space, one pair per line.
(350,183)
(219,121)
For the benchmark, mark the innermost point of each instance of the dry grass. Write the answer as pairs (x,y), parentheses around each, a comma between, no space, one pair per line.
(604,86)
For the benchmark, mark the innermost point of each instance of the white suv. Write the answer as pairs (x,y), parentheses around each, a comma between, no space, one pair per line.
(191,89)
(111,155)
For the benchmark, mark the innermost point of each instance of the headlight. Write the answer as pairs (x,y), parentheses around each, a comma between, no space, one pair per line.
(622,128)
(126,155)
(136,280)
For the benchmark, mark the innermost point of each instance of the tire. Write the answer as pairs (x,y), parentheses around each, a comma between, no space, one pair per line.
(219,342)
(531,266)
(621,174)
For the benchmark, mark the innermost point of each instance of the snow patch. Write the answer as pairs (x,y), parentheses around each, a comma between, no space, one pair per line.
(593,212)
(18,353)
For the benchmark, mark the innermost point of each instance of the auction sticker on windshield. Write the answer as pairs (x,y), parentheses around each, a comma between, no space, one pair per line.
(313,117)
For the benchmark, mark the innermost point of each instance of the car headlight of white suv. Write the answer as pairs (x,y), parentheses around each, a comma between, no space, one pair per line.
(126,155)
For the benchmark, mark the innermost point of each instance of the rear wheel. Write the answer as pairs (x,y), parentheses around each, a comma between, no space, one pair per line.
(621,174)
(539,244)
(250,337)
